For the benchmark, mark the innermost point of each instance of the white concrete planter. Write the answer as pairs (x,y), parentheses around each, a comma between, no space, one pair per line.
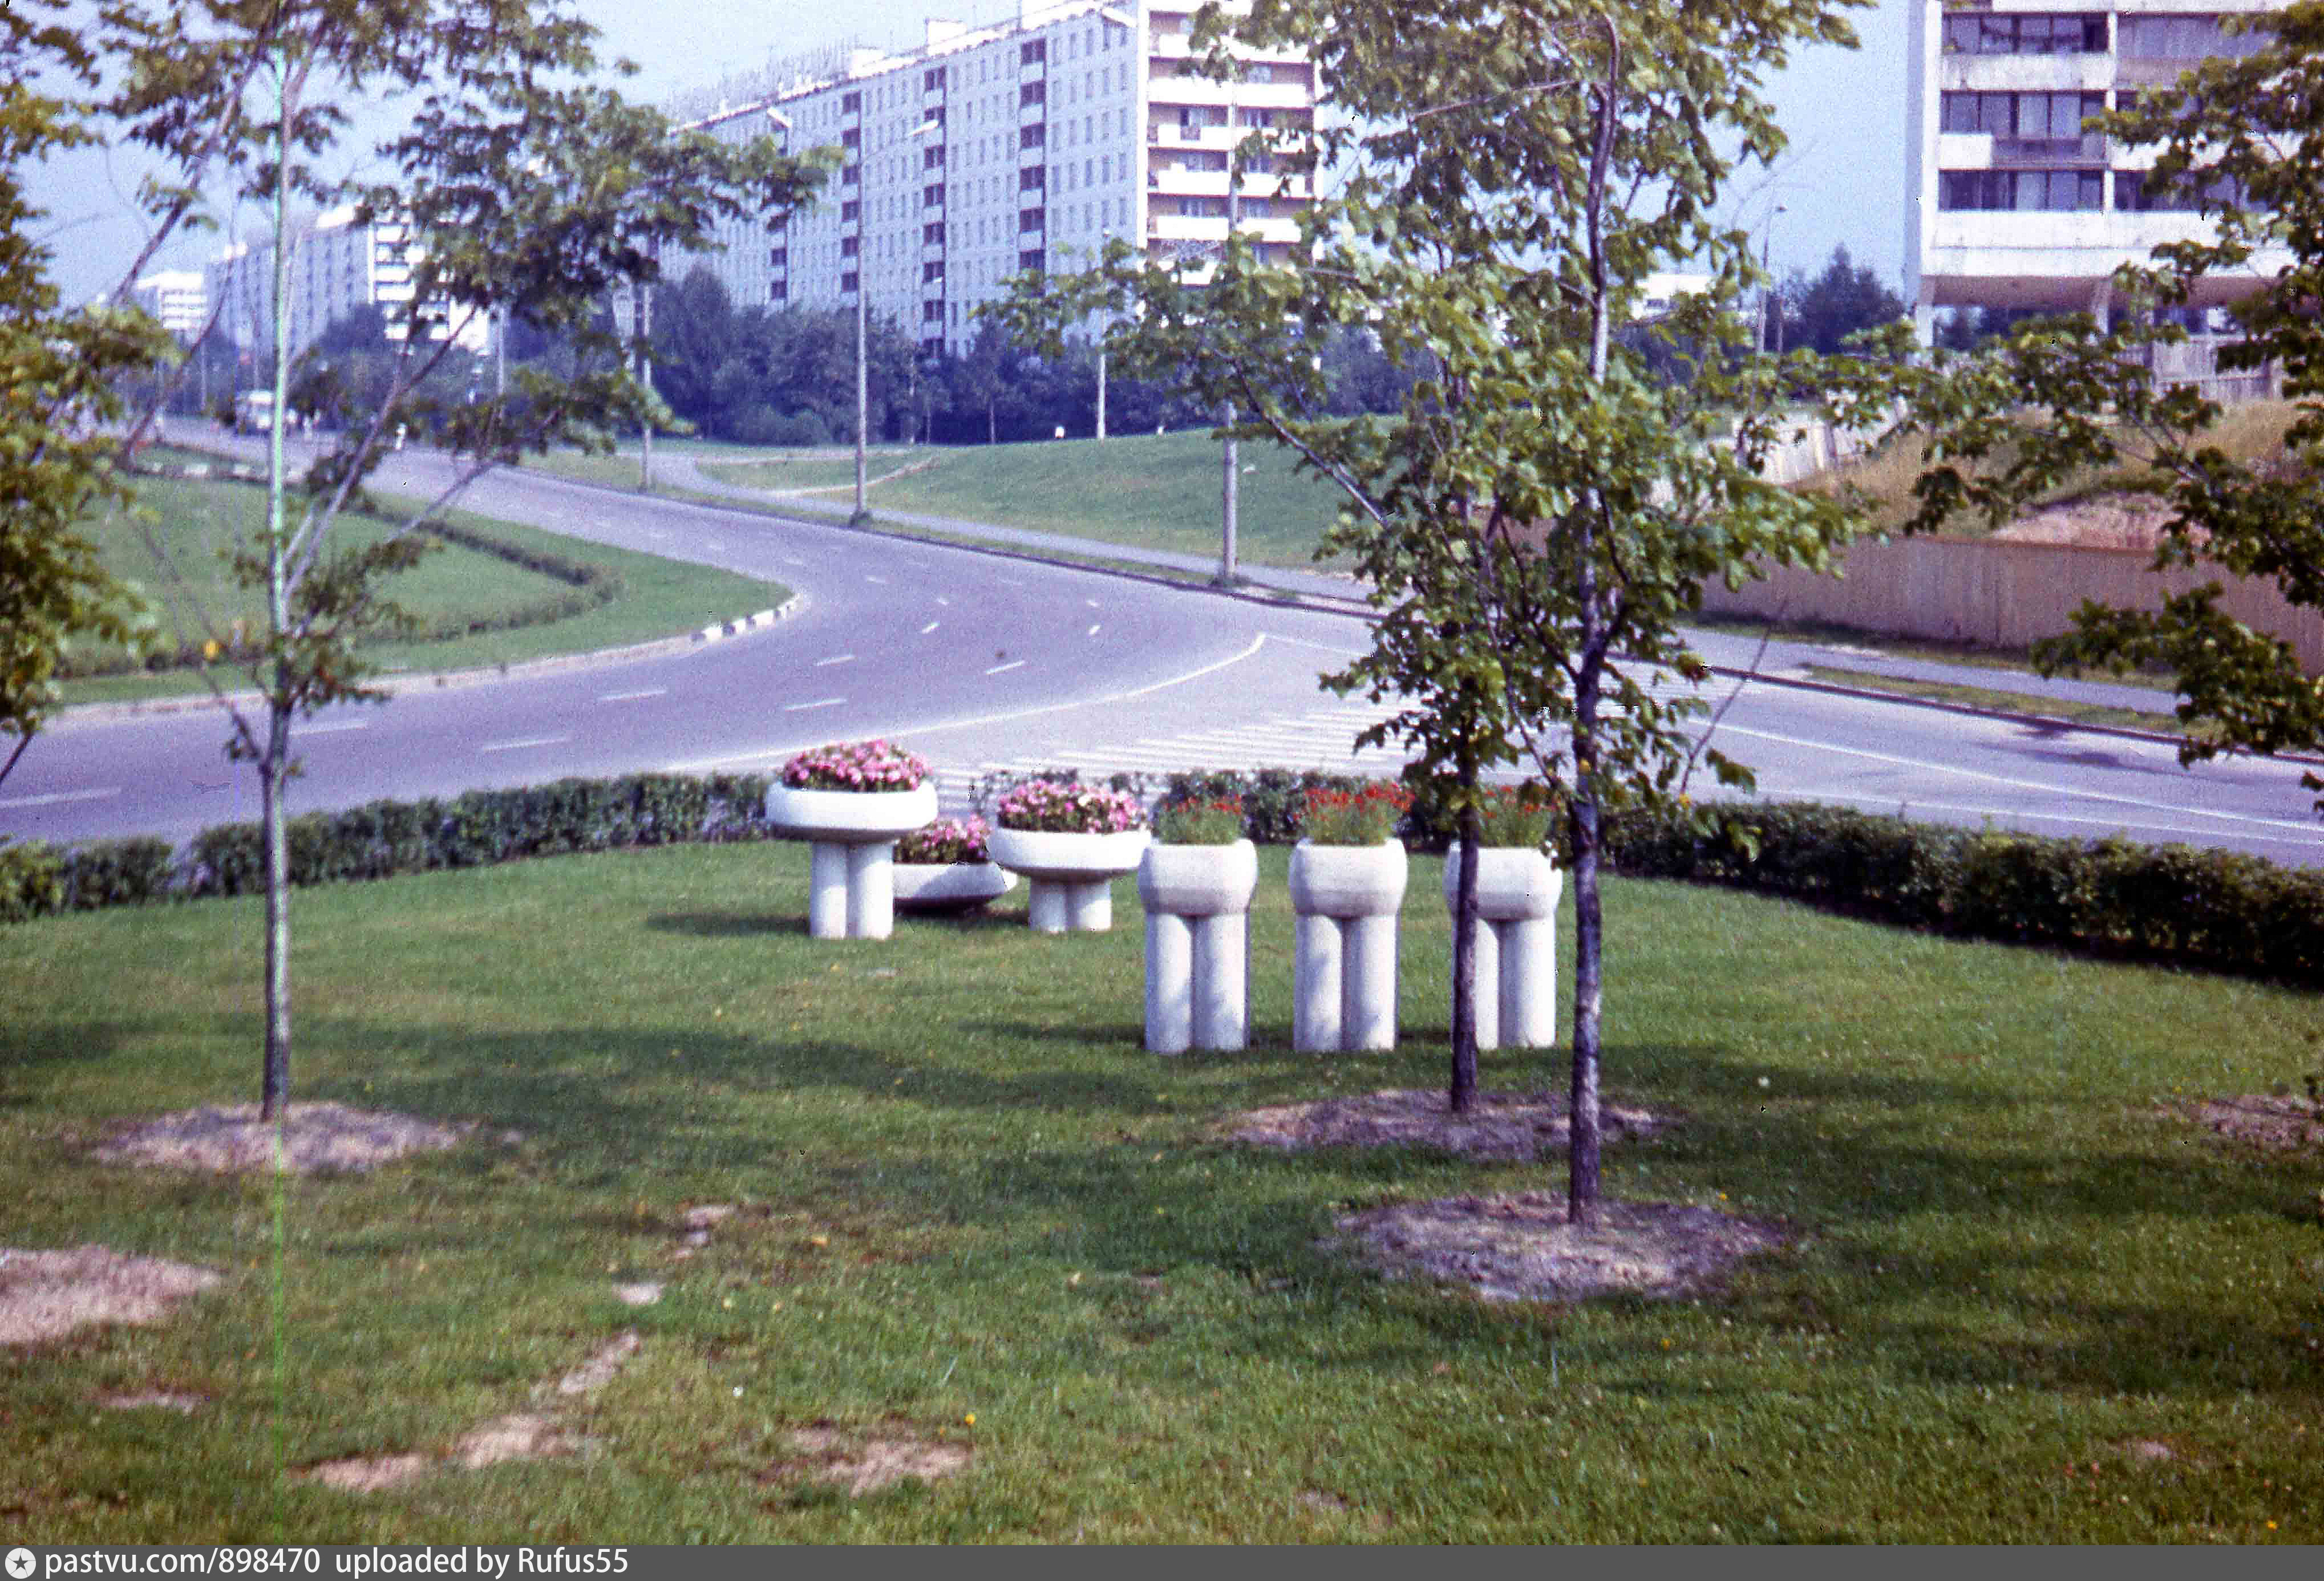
(1072,874)
(1197,900)
(851,838)
(1344,901)
(1516,943)
(949,889)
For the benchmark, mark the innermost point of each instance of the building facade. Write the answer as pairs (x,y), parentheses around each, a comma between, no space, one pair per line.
(177,298)
(2014,205)
(336,265)
(994,150)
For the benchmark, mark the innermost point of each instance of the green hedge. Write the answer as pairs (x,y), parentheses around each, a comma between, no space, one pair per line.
(2219,911)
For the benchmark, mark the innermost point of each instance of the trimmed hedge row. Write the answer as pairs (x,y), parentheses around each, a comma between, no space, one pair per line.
(2220,911)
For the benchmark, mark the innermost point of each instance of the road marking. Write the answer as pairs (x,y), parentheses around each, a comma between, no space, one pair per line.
(1091,601)
(520,746)
(825,702)
(1014,664)
(839,658)
(1093,630)
(1323,647)
(931,626)
(793,560)
(946,602)
(880,580)
(635,696)
(55,798)
(333,730)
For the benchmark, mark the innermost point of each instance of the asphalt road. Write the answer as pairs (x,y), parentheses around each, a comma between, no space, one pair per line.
(981,662)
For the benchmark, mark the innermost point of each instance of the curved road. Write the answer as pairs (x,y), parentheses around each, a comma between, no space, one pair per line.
(980,661)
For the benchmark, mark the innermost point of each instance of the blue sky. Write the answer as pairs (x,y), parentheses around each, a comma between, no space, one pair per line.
(1843,182)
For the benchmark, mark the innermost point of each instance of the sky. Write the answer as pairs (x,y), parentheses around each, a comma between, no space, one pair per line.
(1841,184)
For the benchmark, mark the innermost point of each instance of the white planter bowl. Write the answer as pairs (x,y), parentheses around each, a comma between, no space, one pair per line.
(947,889)
(1347,880)
(850,817)
(1198,880)
(1067,859)
(1515,884)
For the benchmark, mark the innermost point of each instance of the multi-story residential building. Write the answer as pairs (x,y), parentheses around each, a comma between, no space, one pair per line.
(336,265)
(177,298)
(2014,206)
(994,150)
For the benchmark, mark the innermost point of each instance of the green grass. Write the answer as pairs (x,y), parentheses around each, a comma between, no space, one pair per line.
(966,1191)
(1996,700)
(659,598)
(621,472)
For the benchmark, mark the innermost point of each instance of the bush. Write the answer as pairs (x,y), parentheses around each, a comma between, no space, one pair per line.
(32,881)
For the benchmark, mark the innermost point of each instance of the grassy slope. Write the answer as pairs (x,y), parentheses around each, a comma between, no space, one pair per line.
(968,1192)
(660,598)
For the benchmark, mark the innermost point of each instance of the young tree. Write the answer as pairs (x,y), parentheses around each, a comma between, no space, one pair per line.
(527,191)
(2244,138)
(1540,512)
(1847,298)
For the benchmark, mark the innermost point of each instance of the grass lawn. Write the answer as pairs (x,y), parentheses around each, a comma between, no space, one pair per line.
(197,519)
(973,1213)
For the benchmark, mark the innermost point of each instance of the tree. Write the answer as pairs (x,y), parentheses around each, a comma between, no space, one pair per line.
(1846,298)
(527,192)
(59,375)
(2243,139)
(1540,511)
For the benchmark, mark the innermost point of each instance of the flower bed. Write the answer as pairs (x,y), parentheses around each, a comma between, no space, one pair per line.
(1214,820)
(856,765)
(943,841)
(1055,806)
(1366,816)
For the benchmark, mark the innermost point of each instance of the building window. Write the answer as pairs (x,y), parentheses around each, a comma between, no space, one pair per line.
(850,175)
(1034,53)
(1029,260)
(2072,32)
(849,246)
(1031,219)
(932,311)
(778,257)
(2182,38)
(778,291)
(1033,93)
(934,269)
(848,283)
(932,158)
(850,212)
(852,105)
(933,197)
(932,79)
(2033,116)
(1033,178)
(933,235)
(2137,192)
(2026,191)
(851,138)
(1033,136)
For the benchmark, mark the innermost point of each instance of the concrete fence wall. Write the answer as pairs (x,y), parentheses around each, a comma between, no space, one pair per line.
(2000,594)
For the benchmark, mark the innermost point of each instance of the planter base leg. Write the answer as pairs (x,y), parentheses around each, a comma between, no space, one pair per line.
(1368,984)
(1316,984)
(1528,982)
(826,903)
(1170,977)
(871,890)
(1492,987)
(1045,909)
(1221,986)
(1089,906)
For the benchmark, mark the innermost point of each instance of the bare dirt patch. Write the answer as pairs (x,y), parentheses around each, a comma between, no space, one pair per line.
(46,1295)
(1497,1125)
(869,1465)
(315,1138)
(1521,1249)
(2101,521)
(2281,1124)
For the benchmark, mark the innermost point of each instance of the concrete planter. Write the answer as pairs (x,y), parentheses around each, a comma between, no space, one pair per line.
(1516,943)
(1197,900)
(949,889)
(851,838)
(1344,901)
(1072,874)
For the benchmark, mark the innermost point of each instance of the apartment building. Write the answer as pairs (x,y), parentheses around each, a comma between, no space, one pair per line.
(993,150)
(2014,205)
(336,265)
(177,298)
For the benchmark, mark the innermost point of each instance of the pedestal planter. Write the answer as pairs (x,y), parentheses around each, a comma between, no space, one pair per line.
(1197,900)
(1517,944)
(1344,900)
(949,889)
(851,838)
(1072,874)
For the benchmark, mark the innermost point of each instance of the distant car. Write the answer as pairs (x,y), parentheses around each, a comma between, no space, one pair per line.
(253,411)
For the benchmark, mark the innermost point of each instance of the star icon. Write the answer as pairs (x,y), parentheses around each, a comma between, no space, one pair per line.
(20,1564)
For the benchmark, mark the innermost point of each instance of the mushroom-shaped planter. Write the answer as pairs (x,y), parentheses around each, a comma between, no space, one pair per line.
(1516,943)
(1197,900)
(851,838)
(1071,874)
(1344,903)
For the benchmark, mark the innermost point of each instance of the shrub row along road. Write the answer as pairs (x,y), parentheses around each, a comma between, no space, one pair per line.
(979,662)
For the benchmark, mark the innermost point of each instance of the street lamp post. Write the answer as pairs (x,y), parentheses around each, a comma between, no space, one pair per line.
(863,328)
(1768,290)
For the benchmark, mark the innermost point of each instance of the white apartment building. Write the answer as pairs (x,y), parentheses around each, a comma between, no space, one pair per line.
(177,298)
(336,265)
(993,150)
(2014,205)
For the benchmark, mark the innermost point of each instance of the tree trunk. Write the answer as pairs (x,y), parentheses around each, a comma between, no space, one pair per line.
(1582,1155)
(273,776)
(1463,1089)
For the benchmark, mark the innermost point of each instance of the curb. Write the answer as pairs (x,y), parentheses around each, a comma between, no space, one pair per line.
(395,685)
